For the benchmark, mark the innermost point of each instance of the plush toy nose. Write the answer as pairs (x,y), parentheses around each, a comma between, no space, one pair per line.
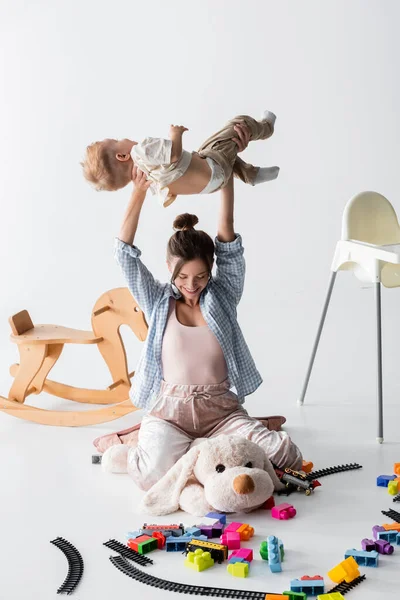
(243,484)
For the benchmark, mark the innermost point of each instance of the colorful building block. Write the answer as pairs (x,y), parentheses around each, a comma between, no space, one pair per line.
(208,521)
(194,531)
(333,596)
(346,571)
(219,516)
(161,539)
(393,487)
(264,550)
(244,553)
(178,544)
(131,535)
(246,532)
(397,468)
(276,597)
(238,569)
(199,560)
(367,544)
(388,536)
(307,466)
(296,595)
(383,480)
(376,529)
(174,529)
(364,558)
(274,554)
(268,504)
(234,526)
(230,539)
(311,587)
(398,539)
(383,547)
(283,511)
(391,526)
(211,530)
(143,544)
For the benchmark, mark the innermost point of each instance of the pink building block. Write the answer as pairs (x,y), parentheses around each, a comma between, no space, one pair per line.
(232,527)
(245,553)
(231,539)
(283,511)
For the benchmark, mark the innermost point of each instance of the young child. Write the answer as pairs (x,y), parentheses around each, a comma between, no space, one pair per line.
(171,169)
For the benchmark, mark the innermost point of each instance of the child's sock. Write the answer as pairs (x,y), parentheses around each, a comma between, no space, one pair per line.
(266,174)
(269,116)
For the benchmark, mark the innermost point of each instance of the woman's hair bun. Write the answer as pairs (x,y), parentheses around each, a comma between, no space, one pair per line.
(185,221)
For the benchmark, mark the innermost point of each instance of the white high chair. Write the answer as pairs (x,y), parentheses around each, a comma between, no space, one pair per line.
(370,247)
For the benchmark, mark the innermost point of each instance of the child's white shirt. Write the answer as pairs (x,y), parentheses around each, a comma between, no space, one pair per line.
(153,157)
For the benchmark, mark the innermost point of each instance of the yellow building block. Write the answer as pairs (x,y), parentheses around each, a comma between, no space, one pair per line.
(199,560)
(393,487)
(334,596)
(245,531)
(238,569)
(346,571)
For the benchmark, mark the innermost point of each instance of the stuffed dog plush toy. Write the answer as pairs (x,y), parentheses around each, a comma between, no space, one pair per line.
(225,474)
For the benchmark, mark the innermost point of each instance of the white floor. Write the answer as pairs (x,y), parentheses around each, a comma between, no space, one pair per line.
(50,488)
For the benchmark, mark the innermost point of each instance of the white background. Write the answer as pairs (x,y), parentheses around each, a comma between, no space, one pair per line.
(74,72)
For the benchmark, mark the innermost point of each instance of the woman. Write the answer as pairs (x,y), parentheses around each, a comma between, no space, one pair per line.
(195,351)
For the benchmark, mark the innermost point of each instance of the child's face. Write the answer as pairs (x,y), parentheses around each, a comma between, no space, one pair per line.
(192,278)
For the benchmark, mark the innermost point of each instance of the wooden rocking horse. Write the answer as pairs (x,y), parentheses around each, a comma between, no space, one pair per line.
(40,346)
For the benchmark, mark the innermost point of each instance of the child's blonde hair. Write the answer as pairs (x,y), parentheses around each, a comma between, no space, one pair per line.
(103,170)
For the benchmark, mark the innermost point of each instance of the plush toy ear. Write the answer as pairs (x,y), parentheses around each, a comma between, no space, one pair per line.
(278,485)
(163,497)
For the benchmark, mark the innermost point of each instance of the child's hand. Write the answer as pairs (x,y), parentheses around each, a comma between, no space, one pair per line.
(243,136)
(140,181)
(175,130)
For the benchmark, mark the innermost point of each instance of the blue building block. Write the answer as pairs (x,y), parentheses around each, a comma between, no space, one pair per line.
(383,480)
(311,587)
(131,535)
(389,536)
(274,554)
(236,559)
(220,516)
(364,558)
(398,539)
(178,544)
(192,531)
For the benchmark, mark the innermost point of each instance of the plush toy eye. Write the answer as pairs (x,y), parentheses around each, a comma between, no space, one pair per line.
(220,468)
(249,465)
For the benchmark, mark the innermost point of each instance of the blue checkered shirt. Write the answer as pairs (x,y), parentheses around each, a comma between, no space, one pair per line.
(218,303)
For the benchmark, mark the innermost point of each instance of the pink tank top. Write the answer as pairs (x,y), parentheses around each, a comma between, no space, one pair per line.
(191,355)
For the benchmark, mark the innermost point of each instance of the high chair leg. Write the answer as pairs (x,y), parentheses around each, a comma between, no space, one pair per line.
(379,349)
(318,337)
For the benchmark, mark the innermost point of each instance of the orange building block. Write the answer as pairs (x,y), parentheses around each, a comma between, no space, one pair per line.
(307,466)
(346,571)
(391,526)
(397,468)
(245,531)
(276,597)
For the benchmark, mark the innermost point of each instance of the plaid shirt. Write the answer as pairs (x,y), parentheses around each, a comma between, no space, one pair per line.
(218,303)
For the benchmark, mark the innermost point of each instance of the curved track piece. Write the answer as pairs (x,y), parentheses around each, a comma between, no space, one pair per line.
(344,587)
(123,550)
(332,470)
(392,514)
(128,569)
(75,565)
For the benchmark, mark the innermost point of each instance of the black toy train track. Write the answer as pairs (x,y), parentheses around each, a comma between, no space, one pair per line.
(123,550)
(392,514)
(75,565)
(344,587)
(332,470)
(396,498)
(197,590)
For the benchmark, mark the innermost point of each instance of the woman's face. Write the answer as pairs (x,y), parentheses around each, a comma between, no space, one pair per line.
(192,278)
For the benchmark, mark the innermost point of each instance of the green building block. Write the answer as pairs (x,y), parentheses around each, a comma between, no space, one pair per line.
(148,546)
(264,550)
(199,560)
(295,595)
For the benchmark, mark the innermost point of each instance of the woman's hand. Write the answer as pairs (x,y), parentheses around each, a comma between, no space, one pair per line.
(243,136)
(140,181)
